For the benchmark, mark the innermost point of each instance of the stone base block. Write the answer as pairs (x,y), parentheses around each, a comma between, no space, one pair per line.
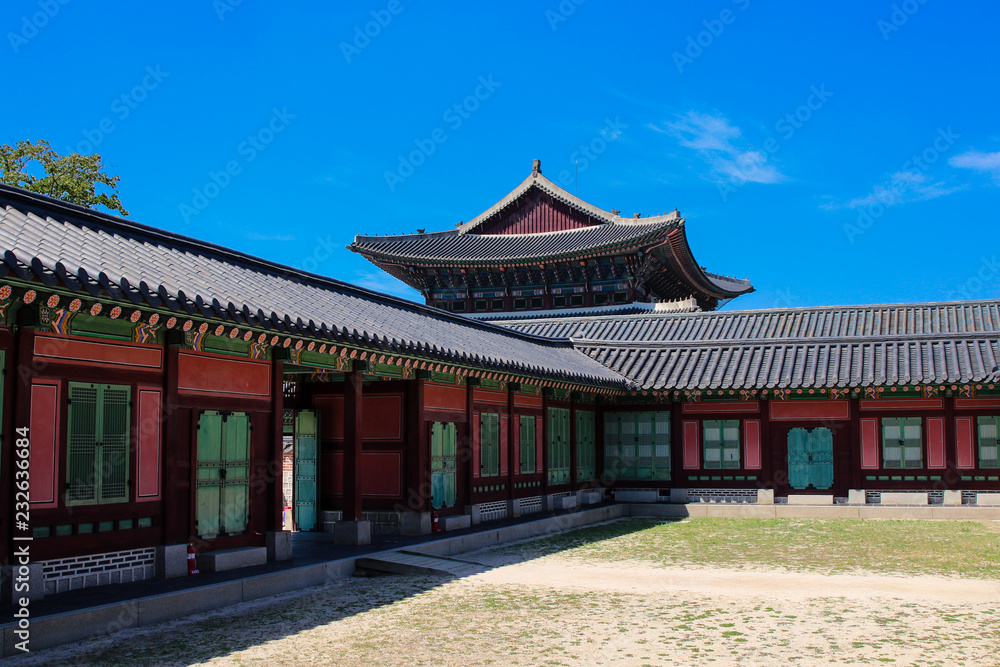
(637,496)
(765,496)
(415,523)
(456,522)
(986,499)
(354,533)
(678,495)
(903,498)
(171,561)
(231,559)
(474,514)
(15,578)
(554,503)
(952,497)
(856,497)
(588,496)
(279,545)
(804,499)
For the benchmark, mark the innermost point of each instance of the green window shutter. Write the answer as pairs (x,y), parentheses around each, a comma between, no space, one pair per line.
(644,445)
(661,445)
(222,492)
(208,475)
(82,433)
(902,442)
(731,440)
(612,443)
(585,445)
(558,445)
(712,443)
(489,441)
(989,442)
(627,447)
(113,443)
(527,444)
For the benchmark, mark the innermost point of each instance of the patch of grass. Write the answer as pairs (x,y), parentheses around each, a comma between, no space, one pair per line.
(950,548)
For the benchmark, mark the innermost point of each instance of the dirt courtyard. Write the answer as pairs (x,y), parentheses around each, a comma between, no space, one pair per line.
(574,600)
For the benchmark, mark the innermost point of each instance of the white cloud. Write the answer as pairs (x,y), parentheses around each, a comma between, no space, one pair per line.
(902,187)
(719,144)
(978,161)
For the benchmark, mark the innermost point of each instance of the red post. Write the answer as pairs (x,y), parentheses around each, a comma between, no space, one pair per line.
(352,446)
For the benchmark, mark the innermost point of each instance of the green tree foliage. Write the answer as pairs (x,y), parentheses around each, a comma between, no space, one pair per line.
(73,178)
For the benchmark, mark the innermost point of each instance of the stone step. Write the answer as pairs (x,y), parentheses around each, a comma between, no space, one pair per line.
(231,559)
(409,563)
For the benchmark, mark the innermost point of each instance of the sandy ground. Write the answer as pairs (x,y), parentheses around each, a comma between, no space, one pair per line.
(556,610)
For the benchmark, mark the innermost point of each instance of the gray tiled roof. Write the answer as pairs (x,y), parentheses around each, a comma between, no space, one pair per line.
(113,258)
(800,347)
(452,247)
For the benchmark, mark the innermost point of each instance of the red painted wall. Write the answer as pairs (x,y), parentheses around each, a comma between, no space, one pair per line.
(806,410)
(43,433)
(381,473)
(203,373)
(382,417)
(535,216)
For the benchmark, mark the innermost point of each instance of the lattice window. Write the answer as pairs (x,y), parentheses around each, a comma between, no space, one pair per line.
(902,442)
(527,444)
(558,446)
(489,444)
(639,447)
(721,438)
(98,444)
(989,442)
(586,468)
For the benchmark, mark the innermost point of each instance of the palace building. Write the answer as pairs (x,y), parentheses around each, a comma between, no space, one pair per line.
(151,380)
(542,249)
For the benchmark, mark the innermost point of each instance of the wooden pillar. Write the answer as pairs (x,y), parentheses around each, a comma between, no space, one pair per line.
(178,449)
(513,422)
(545,440)
(352,445)
(417,450)
(467,457)
(275,504)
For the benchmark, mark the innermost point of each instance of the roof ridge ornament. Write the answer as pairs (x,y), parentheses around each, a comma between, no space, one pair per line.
(536,167)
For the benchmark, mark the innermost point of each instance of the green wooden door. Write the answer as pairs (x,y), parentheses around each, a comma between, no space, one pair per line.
(810,458)
(585,446)
(444,446)
(559,446)
(306,482)
(222,477)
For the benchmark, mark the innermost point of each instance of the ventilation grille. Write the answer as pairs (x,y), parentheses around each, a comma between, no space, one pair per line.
(722,495)
(493,511)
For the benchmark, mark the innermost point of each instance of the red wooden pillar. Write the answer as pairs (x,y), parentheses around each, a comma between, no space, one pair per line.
(352,446)
(276,466)
(417,450)
(514,425)
(545,441)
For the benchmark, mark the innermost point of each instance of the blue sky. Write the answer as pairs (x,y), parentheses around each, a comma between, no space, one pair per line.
(831,152)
